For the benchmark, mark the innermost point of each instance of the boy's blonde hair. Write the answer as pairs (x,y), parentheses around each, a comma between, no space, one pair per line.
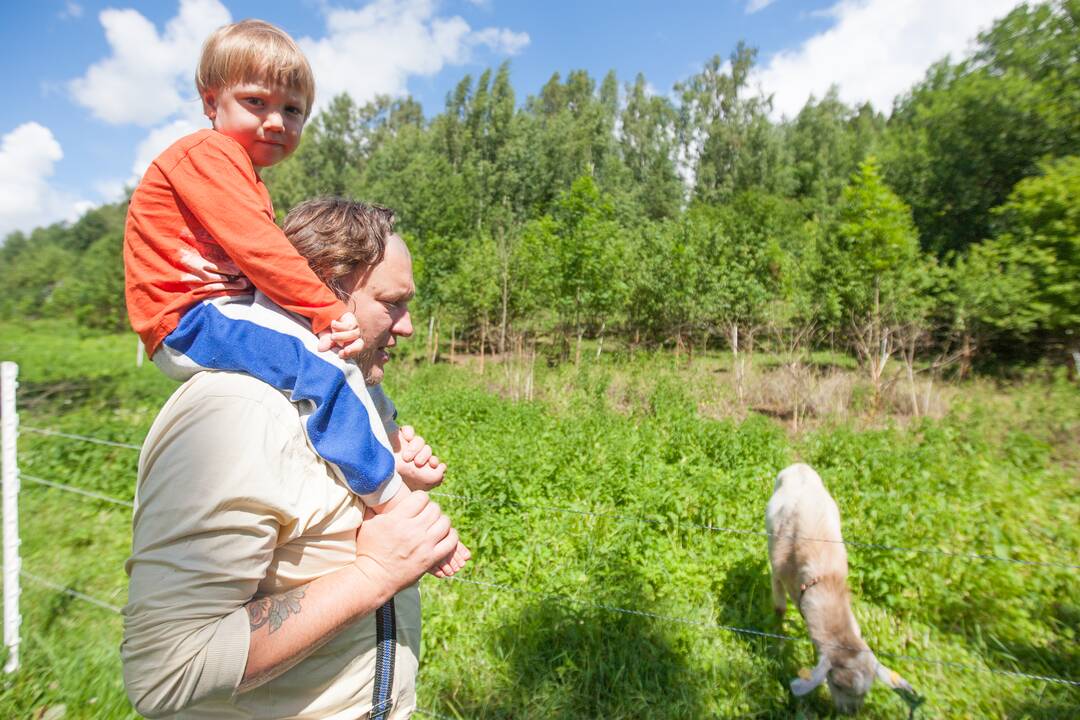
(254,51)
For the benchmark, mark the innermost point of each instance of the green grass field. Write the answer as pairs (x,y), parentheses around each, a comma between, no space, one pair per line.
(555,617)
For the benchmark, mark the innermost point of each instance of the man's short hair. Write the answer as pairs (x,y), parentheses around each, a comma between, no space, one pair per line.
(254,51)
(336,236)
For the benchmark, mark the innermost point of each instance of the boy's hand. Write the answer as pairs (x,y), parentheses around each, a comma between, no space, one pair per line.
(344,333)
(210,275)
(454,562)
(417,464)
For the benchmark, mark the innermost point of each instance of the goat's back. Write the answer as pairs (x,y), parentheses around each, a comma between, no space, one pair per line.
(804,526)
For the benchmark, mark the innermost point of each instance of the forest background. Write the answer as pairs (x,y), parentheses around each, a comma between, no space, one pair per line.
(632,311)
(943,231)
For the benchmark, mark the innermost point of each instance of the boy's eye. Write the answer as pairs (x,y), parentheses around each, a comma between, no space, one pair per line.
(256,101)
(293,110)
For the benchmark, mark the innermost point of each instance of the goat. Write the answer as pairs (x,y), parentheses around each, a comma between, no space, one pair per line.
(809,564)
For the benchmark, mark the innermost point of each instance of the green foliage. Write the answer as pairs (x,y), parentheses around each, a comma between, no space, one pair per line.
(870,256)
(828,140)
(657,219)
(94,292)
(985,479)
(960,140)
(726,131)
(1041,220)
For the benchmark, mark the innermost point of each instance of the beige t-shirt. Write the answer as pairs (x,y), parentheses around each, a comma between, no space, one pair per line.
(231,503)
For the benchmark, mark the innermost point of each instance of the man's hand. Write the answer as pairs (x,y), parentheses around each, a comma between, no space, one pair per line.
(417,464)
(409,539)
(344,333)
(210,275)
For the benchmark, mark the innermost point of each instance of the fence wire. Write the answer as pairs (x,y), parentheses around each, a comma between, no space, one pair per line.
(569,600)
(981,557)
(69,591)
(78,491)
(83,438)
(954,554)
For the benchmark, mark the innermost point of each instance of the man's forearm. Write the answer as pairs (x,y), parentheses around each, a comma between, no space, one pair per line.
(286,628)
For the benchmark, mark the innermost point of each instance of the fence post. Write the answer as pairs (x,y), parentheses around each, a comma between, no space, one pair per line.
(9,372)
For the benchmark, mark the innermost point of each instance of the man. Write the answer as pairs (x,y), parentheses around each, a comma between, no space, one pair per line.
(255,576)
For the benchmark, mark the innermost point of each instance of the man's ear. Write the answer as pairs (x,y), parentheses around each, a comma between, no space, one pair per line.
(209,104)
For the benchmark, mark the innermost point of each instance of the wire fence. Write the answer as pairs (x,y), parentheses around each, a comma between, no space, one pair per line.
(954,554)
(568,601)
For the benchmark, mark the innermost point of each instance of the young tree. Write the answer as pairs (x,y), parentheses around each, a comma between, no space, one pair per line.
(871,268)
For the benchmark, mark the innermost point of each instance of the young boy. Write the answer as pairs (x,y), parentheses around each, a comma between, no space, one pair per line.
(200,228)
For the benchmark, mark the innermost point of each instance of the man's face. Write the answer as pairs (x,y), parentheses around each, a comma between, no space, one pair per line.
(380,301)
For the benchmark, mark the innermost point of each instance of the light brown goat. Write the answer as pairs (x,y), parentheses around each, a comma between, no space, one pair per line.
(809,565)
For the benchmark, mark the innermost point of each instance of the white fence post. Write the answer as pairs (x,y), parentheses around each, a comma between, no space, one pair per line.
(9,372)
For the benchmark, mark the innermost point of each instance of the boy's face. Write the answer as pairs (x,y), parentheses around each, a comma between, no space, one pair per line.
(266,121)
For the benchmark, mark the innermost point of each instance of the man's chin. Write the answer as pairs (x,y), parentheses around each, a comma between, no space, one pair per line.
(373,375)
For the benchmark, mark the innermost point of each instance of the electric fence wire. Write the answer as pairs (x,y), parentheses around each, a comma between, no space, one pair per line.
(78,491)
(954,554)
(83,438)
(982,557)
(44,582)
(566,600)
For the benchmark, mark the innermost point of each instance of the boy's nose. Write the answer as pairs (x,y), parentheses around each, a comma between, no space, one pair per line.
(274,121)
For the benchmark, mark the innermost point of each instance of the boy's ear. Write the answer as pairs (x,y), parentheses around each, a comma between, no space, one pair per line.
(209,104)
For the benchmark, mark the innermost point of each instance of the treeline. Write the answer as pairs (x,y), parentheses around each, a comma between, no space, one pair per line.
(948,228)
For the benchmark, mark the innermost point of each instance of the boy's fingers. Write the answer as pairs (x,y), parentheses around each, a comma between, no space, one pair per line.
(325,342)
(423,456)
(407,432)
(351,350)
(344,336)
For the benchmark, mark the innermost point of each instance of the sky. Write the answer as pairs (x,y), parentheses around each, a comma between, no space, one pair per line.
(100,88)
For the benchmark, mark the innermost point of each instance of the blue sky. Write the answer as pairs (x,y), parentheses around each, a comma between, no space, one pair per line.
(101,87)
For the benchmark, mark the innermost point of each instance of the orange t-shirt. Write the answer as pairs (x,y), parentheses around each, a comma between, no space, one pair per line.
(203,195)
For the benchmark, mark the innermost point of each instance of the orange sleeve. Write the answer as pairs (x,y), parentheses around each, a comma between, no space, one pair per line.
(218,185)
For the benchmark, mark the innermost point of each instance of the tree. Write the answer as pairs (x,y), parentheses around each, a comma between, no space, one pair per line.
(827,141)
(94,292)
(961,139)
(647,141)
(583,253)
(872,269)
(1040,223)
(726,136)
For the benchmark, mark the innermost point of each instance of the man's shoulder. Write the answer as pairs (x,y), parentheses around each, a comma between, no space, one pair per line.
(205,387)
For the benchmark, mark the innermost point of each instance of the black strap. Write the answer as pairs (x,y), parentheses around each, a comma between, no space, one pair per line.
(385,647)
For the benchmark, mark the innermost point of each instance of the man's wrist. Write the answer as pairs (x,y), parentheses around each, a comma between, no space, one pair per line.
(376,579)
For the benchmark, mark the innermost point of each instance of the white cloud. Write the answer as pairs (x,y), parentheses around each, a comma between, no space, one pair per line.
(148,75)
(756,5)
(28,155)
(375,49)
(71,11)
(876,49)
(146,79)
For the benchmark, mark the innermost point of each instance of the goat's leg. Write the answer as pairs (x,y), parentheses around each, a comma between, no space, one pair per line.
(779,598)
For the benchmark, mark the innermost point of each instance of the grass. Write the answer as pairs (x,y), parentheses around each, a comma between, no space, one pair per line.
(531,631)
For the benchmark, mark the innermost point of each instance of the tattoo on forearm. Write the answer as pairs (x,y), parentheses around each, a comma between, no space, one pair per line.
(274,609)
